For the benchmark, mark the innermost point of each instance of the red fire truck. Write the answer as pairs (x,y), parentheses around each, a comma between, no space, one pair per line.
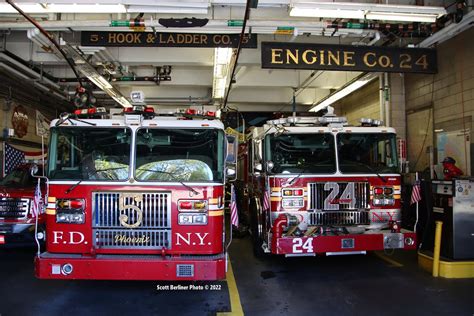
(136,196)
(319,186)
(17,218)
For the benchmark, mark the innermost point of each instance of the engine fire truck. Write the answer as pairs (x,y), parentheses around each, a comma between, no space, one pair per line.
(136,196)
(319,186)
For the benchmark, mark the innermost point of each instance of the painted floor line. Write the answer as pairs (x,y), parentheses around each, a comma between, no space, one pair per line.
(235,305)
(389,260)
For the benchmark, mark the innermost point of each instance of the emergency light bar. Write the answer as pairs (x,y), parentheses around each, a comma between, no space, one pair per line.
(370,122)
(299,121)
(90,112)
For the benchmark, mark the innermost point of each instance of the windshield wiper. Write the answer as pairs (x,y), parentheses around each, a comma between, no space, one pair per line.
(173,177)
(67,117)
(368,168)
(305,166)
(72,187)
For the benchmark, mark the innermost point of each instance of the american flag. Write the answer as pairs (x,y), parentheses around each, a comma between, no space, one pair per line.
(234,215)
(37,201)
(12,157)
(266,200)
(415,193)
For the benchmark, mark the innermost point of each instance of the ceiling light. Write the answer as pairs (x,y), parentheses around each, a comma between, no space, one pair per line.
(64,8)
(327,13)
(401,17)
(343,92)
(408,13)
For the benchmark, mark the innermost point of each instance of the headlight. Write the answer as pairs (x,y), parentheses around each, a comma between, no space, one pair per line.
(192,219)
(70,218)
(292,203)
(70,211)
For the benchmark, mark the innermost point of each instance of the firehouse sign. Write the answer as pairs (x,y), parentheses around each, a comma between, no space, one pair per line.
(348,58)
(150,39)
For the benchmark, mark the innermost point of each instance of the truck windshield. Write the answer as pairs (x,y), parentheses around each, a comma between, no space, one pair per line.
(92,153)
(176,154)
(367,153)
(298,153)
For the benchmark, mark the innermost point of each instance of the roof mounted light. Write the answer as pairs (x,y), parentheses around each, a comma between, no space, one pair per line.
(370,122)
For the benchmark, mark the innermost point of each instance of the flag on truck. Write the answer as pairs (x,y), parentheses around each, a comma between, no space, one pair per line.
(266,200)
(234,216)
(37,201)
(415,193)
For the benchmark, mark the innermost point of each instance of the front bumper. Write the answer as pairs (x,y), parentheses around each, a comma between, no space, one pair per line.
(18,234)
(342,244)
(122,267)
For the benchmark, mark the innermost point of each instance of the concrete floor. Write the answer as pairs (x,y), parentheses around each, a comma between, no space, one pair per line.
(348,285)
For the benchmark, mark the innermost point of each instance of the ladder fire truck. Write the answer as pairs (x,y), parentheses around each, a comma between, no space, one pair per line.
(136,196)
(319,186)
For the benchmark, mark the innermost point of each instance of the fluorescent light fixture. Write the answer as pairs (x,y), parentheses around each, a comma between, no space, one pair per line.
(64,8)
(327,13)
(343,92)
(166,9)
(401,17)
(385,12)
(222,58)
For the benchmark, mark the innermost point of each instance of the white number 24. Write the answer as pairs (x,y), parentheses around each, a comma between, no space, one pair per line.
(301,245)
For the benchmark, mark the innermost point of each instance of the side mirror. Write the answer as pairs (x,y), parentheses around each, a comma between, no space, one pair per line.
(34,169)
(231,157)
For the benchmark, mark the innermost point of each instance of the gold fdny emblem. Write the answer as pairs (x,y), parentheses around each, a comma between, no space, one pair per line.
(127,201)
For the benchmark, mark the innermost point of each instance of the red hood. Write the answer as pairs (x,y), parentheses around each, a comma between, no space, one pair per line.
(28,192)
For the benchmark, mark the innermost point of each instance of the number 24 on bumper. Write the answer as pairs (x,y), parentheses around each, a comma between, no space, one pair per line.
(303,245)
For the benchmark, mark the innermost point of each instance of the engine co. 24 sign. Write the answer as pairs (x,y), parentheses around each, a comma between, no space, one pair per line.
(348,58)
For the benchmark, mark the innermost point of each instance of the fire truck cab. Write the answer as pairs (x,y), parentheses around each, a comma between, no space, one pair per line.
(319,186)
(135,196)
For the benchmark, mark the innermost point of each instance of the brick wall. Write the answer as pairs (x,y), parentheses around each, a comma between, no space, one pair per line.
(361,103)
(451,100)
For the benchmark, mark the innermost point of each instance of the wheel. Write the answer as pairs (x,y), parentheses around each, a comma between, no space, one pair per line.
(257,240)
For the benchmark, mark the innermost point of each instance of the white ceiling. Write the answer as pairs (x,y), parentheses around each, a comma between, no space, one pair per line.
(255,89)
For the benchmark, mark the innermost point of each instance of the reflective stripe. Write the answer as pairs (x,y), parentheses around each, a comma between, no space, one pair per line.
(51,199)
(50,211)
(216,213)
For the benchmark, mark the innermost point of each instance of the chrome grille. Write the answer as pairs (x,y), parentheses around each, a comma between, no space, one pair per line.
(14,207)
(317,195)
(339,218)
(155,227)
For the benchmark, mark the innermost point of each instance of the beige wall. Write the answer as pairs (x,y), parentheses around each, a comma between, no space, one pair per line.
(450,101)
(362,103)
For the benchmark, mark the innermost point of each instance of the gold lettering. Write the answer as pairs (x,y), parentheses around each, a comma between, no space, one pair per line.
(321,57)
(335,58)
(384,61)
(189,38)
(348,59)
(112,38)
(203,39)
(366,59)
(289,54)
(171,39)
(225,39)
(276,53)
(119,238)
(94,38)
(196,39)
(137,38)
(313,57)
(180,38)
(161,39)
